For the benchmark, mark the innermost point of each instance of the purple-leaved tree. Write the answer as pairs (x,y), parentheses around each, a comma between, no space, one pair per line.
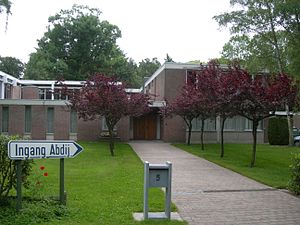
(103,96)
(259,98)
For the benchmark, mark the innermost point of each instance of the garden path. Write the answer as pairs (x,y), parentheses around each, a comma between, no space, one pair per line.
(206,193)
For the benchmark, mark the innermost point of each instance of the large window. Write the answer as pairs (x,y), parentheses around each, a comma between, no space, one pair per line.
(50,120)
(28,119)
(239,123)
(209,125)
(73,122)
(5,118)
(236,123)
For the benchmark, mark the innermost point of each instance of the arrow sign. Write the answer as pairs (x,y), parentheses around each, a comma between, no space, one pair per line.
(31,149)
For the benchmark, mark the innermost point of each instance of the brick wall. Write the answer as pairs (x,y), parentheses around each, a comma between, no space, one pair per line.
(16,122)
(15,92)
(123,128)
(30,93)
(61,123)
(89,130)
(174,129)
(38,122)
(174,81)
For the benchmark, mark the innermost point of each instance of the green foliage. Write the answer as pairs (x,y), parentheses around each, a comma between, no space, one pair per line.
(294,182)
(5,5)
(272,165)
(168,58)
(266,34)
(34,211)
(100,190)
(12,66)
(278,133)
(76,45)
(147,67)
(8,168)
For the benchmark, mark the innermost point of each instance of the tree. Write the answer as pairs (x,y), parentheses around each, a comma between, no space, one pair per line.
(168,58)
(103,96)
(273,32)
(220,83)
(5,5)
(76,45)
(12,66)
(127,69)
(268,23)
(185,106)
(147,67)
(191,103)
(259,97)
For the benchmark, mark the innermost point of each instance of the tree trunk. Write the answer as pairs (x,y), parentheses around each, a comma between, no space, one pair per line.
(222,136)
(110,126)
(202,131)
(275,40)
(111,141)
(290,125)
(254,132)
(189,132)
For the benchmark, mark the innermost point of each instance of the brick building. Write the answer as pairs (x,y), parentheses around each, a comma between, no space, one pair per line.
(32,109)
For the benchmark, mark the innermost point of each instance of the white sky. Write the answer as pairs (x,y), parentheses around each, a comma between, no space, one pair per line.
(150,28)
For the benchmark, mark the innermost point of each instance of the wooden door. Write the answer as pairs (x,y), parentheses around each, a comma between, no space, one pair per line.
(144,127)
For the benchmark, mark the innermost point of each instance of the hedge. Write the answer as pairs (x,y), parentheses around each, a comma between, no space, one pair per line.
(278,132)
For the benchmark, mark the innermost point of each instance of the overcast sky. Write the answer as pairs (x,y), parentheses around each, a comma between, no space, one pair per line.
(182,28)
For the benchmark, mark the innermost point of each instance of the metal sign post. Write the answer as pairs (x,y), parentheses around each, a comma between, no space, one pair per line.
(157,175)
(62,182)
(29,149)
(19,185)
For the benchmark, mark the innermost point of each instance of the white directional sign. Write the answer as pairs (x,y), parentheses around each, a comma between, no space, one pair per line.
(31,149)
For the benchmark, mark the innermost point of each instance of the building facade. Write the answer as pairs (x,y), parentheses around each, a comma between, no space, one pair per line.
(38,110)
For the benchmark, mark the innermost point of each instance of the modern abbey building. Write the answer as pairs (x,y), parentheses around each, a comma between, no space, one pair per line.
(36,109)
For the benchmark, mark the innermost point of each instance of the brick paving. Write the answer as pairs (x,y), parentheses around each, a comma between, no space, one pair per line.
(206,193)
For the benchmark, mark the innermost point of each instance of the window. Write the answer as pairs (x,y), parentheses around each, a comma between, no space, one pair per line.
(45,93)
(248,125)
(236,123)
(73,122)
(28,119)
(5,118)
(50,120)
(209,124)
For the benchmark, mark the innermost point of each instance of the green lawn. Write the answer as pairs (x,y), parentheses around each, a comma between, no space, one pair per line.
(100,190)
(272,162)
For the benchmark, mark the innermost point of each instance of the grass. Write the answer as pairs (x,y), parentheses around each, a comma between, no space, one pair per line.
(271,167)
(100,190)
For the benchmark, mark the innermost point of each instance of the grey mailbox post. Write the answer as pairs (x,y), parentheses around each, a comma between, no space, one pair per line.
(157,175)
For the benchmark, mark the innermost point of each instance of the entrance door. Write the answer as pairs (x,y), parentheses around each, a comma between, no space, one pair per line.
(144,127)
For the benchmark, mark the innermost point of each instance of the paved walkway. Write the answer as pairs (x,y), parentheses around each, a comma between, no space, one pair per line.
(209,194)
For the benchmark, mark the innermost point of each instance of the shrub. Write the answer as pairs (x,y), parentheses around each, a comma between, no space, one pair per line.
(8,168)
(278,132)
(294,183)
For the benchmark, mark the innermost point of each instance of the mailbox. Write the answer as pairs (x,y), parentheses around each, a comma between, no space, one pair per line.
(157,175)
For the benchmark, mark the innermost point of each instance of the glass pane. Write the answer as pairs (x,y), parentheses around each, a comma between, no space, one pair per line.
(27,119)
(73,122)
